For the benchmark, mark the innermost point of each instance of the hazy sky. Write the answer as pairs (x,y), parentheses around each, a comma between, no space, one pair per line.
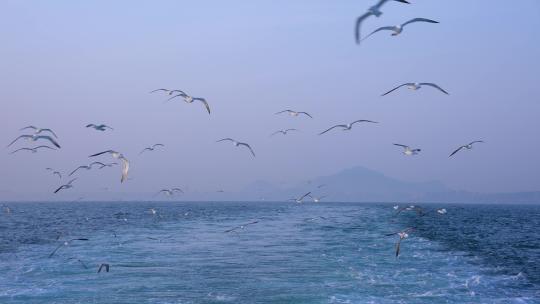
(64,64)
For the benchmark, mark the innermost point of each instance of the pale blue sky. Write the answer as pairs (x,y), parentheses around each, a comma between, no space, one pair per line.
(68,63)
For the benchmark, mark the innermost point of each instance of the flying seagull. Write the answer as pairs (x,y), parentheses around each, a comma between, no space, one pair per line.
(402,235)
(66,243)
(417,85)
(190,99)
(39,130)
(237,144)
(348,126)
(372,11)
(152,148)
(284,132)
(103,265)
(397,29)
(408,151)
(120,156)
(467,146)
(241,226)
(101,127)
(294,113)
(170,191)
(301,199)
(34,150)
(35,138)
(66,186)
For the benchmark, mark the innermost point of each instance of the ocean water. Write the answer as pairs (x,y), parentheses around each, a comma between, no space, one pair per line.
(296,253)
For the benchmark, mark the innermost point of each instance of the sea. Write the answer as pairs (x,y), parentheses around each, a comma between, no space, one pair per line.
(190,252)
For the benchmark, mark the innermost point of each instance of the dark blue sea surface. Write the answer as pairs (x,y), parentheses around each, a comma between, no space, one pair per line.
(295,253)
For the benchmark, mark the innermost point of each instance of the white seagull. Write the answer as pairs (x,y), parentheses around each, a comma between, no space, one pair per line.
(467,146)
(120,156)
(402,235)
(301,199)
(372,11)
(237,144)
(152,148)
(317,199)
(293,113)
(348,126)
(408,150)
(101,127)
(33,150)
(35,138)
(66,186)
(190,99)
(417,85)
(284,132)
(397,29)
(39,130)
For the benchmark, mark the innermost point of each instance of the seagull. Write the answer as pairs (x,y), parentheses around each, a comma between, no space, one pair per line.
(103,265)
(408,151)
(190,99)
(101,127)
(293,113)
(397,29)
(441,211)
(467,146)
(120,156)
(348,126)
(417,85)
(396,207)
(241,226)
(35,138)
(66,243)
(39,130)
(237,144)
(34,150)
(372,11)
(152,148)
(66,186)
(284,132)
(301,199)
(402,235)
(317,199)
(170,191)
(87,167)
(414,208)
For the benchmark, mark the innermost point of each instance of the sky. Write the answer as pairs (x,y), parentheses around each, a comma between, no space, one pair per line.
(64,64)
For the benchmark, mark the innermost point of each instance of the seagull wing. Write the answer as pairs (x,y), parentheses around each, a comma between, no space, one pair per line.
(80,167)
(305,113)
(100,153)
(359,21)
(21,149)
(224,139)
(280,131)
(157,90)
(392,90)
(177,189)
(398,247)
(97,163)
(49,139)
(59,188)
(400,145)
(42,146)
(456,151)
(178,95)
(336,126)
(158,145)
(363,120)
(476,141)
(248,146)
(69,183)
(291,130)
(145,149)
(204,102)
(419,20)
(284,111)
(384,28)
(125,169)
(434,86)
(307,194)
(56,249)
(22,136)
(48,130)
(29,127)
(381,2)
(90,125)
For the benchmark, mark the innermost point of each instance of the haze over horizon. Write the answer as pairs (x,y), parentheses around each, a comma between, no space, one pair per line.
(66,64)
